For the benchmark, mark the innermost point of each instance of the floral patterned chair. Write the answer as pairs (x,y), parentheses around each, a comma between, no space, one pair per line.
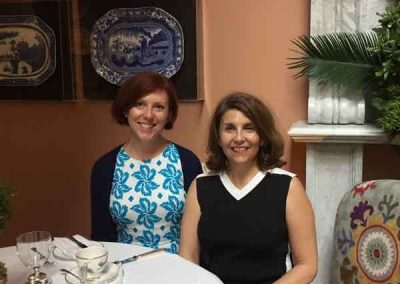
(367,234)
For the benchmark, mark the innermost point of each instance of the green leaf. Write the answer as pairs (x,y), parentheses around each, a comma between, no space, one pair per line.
(378,103)
(341,59)
(6,194)
(390,119)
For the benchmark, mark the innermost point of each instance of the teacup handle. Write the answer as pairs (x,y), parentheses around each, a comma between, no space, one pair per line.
(84,272)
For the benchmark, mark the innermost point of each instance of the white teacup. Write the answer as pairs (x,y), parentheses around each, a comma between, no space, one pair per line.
(91,261)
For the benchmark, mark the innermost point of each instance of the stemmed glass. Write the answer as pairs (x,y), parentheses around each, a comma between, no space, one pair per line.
(33,249)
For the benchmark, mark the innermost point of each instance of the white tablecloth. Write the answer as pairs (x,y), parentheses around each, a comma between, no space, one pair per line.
(157,269)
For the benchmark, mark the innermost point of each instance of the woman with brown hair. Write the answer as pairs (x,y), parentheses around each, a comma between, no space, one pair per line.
(138,189)
(241,218)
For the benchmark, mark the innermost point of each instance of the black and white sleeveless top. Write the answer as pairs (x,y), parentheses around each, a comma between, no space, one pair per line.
(242,232)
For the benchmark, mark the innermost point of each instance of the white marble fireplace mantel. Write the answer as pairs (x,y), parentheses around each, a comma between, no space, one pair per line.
(335,133)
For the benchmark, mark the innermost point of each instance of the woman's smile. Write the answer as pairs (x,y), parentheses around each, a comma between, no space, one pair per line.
(146,125)
(239,149)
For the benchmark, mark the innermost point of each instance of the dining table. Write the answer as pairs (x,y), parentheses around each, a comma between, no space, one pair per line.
(155,269)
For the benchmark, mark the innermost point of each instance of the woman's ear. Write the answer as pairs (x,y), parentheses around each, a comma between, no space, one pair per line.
(169,123)
(263,144)
(126,118)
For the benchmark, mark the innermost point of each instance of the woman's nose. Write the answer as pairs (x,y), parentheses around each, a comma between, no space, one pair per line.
(239,137)
(148,113)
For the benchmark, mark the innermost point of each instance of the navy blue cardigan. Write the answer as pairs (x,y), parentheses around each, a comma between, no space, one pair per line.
(103,227)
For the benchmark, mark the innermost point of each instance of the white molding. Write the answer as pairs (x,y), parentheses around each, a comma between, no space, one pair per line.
(301,131)
(327,105)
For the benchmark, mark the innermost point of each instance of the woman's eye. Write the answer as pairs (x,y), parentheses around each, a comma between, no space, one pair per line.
(159,107)
(249,128)
(139,104)
(228,128)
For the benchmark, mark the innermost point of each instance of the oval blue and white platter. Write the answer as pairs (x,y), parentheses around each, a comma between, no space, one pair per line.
(126,41)
(27,50)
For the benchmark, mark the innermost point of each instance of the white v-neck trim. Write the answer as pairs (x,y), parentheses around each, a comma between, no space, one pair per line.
(240,193)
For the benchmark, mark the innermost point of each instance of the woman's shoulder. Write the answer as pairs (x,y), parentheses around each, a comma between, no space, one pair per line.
(108,158)
(208,175)
(279,171)
(188,159)
(282,176)
(184,151)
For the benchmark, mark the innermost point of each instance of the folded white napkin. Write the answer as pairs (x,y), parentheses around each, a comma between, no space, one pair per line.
(69,248)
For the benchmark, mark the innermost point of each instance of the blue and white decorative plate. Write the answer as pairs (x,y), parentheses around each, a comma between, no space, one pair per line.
(27,51)
(126,41)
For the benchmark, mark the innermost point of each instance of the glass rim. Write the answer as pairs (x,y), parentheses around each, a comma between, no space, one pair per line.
(84,250)
(39,232)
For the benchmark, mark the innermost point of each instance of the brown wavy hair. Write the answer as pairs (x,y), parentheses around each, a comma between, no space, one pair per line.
(139,86)
(271,141)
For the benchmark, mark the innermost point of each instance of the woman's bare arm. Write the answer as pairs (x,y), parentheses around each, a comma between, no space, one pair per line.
(189,243)
(302,237)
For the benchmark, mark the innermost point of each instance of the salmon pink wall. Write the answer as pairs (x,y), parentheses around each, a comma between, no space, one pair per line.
(47,149)
(246,46)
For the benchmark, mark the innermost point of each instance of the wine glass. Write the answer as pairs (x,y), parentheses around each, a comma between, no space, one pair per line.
(33,249)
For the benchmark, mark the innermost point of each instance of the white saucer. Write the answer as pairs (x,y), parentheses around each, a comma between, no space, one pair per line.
(113,274)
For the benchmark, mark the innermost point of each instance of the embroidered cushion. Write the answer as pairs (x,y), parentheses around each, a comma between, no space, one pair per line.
(367,233)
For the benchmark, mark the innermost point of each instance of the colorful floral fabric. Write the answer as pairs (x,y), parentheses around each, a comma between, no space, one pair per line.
(367,234)
(147,199)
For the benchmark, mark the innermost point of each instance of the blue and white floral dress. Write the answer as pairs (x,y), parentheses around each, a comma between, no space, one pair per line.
(147,199)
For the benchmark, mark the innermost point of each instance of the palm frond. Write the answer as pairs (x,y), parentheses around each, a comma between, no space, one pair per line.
(341,59)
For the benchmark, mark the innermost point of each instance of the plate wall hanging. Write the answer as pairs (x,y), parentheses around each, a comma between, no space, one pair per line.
(27,51)
(126,41)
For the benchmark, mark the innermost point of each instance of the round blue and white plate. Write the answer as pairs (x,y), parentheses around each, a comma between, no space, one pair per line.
(126,41)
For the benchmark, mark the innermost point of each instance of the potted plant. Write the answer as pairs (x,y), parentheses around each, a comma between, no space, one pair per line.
(6,194)
(366,61)
(3,273)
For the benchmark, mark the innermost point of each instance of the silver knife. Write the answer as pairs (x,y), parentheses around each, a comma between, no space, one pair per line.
(136,257)
(80,244)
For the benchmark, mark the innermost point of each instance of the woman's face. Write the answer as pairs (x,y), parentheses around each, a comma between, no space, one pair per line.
(149,115)
(239,139)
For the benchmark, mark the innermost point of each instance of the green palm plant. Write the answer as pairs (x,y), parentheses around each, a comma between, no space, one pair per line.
(6,193)
(366,61)
(341,59)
